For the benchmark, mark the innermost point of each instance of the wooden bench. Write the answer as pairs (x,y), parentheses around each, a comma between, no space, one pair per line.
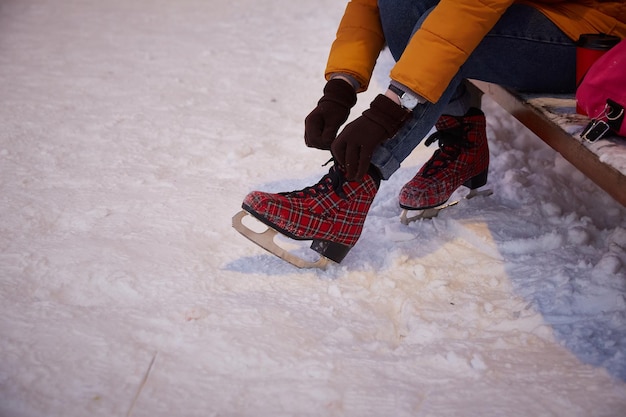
(554,119)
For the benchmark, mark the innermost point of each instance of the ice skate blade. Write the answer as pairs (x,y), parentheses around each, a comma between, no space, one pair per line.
(265,240)
(425,214)
(429,213)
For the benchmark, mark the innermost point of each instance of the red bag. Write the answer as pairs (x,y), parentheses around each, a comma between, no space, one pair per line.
(602,94)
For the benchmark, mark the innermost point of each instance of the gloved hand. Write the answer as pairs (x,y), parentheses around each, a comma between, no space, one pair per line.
(355,145)
(323,123)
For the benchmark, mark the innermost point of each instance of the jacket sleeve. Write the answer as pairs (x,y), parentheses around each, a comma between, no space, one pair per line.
(444,42)
(358,43)
(434,54)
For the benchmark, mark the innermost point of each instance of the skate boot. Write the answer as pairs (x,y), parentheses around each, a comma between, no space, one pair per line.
(330,213)
(462,159)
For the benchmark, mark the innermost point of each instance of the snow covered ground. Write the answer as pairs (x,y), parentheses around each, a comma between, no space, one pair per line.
(130,132)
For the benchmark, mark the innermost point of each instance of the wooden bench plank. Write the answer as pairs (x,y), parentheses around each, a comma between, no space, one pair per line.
(554,120)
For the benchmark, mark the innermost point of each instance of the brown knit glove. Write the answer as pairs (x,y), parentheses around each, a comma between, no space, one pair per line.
(355,145)
(323,123)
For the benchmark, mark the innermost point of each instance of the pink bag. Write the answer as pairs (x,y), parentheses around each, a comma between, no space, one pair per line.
(602,94)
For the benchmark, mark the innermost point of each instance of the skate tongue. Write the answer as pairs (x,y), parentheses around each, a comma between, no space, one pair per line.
(450,146)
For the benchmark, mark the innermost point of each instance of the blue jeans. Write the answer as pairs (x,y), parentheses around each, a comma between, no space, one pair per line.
(524,51)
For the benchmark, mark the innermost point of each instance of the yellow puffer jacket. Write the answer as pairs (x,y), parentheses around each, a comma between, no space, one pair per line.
(450,34)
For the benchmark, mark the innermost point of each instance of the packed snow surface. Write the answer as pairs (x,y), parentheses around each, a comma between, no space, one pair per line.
(130,133)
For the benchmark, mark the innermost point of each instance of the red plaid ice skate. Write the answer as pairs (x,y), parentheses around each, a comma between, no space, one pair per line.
(462,159)
(330,213)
